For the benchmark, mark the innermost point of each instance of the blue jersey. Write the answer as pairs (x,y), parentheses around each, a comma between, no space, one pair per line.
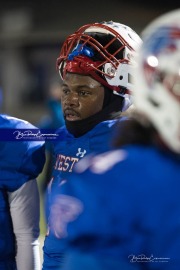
(126,208)
(68,152)
(20,161)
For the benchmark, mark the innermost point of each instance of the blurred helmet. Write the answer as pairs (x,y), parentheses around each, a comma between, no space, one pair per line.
(158,77)
(104,51)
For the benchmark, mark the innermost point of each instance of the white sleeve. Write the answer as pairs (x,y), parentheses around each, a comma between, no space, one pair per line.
(24,207)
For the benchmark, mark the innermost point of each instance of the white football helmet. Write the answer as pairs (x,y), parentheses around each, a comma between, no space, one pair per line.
(104,51)
(157,93)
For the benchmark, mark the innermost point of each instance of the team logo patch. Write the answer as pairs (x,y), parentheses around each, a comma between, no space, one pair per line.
(81,152)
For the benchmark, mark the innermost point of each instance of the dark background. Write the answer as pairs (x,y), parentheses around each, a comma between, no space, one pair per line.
(31,34)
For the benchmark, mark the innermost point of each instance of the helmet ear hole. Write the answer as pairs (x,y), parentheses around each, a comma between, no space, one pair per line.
(153,102)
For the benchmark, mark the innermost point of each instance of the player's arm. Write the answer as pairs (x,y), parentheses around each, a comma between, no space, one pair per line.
(24,207)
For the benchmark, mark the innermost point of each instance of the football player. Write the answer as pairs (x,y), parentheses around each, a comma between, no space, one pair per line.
(21,161)
(122,211)
(96,64)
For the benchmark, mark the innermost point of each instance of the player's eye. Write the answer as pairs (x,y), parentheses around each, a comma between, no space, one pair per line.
(84,93)
(65,90)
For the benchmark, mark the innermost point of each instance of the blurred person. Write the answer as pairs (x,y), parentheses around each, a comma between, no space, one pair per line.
(51,121)
(21,161)
(121,209)
(96,64)
(54,119)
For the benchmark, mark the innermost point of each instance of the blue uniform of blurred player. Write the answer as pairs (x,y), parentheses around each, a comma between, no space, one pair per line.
(96,66)
(20,163)
(121,210)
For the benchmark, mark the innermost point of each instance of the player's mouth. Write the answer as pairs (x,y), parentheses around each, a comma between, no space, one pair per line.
(71,115)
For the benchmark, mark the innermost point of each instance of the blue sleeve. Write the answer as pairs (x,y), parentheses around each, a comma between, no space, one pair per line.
(20,161)
(33,160)
(53,253)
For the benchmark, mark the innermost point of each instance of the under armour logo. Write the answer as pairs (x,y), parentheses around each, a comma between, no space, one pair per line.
(80,152)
